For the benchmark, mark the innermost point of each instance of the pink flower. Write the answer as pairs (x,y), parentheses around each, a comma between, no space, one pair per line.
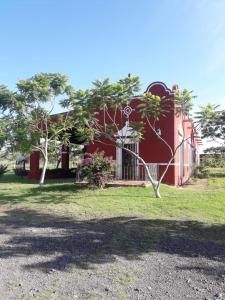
(86,161)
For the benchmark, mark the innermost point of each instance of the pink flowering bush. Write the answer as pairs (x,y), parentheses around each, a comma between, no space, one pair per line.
(86,161)
(96,169)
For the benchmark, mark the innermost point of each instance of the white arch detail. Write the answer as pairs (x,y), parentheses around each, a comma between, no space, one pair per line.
(162,84)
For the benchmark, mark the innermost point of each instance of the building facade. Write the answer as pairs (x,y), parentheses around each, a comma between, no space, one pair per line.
(173,129)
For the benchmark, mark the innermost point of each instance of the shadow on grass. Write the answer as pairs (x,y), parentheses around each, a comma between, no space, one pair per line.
(58,193)
(42,194)
(63,242)
(12,178)
(218,174)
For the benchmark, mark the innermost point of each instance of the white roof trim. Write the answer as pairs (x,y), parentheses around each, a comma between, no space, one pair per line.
(126,131)
(162,84)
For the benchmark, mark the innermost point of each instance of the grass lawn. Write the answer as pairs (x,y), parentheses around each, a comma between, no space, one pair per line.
(197,211)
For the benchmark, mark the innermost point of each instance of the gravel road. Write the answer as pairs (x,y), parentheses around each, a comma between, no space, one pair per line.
(43,256)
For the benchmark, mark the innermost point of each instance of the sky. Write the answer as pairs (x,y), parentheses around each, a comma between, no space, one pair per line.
(173,41)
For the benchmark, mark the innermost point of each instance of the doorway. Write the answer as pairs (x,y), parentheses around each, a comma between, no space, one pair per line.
(129,162)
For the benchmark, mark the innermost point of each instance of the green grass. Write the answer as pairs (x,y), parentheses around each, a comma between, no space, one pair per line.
(81,202)
(197,212)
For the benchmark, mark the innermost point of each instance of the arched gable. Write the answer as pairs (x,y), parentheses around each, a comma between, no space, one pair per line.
(160,89)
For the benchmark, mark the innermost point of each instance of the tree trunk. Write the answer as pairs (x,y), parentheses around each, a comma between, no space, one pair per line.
(156,191)
(58,162)
(154,184)
(42,179)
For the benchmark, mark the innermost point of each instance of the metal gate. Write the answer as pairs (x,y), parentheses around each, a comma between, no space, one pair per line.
(129,163)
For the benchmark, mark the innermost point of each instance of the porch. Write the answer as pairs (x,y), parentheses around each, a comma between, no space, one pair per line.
(126,169)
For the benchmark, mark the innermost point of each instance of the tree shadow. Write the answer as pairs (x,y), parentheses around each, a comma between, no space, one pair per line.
(57,193)
(217,174)
(43,194)
(63,242)
(212,271)
(12,178)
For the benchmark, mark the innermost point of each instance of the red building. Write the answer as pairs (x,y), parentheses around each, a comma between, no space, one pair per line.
(172,128)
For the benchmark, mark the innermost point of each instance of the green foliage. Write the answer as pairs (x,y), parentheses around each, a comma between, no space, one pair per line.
(184,101)
(83,135)
(7,99)
(138,129)
(212,121)
(109,99)
(96,169)
(103,96)
(213,161)
(22,137)
(3,169)
(7,106)
(103,109)
(110,129)
(32,120)
(34,126)
(152,106)
(201,171)
(215,150)
(42,87)
(3,132)
(207,112)
(112,95)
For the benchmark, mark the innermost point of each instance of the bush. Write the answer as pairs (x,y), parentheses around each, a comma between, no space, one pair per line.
(201,171)
(96,169)
(3,169)
(213,161)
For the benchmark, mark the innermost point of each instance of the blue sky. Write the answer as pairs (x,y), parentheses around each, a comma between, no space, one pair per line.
(173,41)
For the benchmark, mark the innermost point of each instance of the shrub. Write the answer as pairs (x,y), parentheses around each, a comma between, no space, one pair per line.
(3,169)
(201,171)
(96,169)
(213,161)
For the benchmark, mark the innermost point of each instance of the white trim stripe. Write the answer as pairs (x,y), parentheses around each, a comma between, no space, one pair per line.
(165,164)
(161,164)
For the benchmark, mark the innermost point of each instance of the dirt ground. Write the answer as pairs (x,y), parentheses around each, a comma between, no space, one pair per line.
(43,256)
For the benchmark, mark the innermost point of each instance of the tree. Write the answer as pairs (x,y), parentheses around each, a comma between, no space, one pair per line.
(7,99)
(34,126)
(3,134)
(7,103)
(111,99)
(215,150)
(212,120)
